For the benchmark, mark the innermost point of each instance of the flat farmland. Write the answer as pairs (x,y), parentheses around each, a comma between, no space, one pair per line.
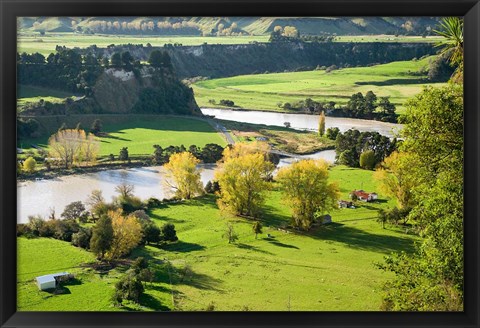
(397,80)
(45,44)
(137,132)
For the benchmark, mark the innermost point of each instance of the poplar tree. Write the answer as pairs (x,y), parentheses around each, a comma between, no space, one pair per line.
(321,124)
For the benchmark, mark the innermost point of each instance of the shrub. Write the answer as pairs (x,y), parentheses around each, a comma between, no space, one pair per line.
(64,229)
(47,229)
(367,160)
(226,102)
(168,232)
(82,238)
(332,133)
(35,223)
(131,204)
(29,165)
(212,187)
(153,202)
(23,229)
(128,288)
(151,233)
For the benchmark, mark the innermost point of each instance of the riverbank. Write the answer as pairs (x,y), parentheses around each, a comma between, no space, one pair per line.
(304,122)
(284,139)
(45,174)
(37,196)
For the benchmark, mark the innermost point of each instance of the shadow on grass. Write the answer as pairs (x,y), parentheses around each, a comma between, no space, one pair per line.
(151,302)
(271,217)
(205,200)
(109,136)
(181,247)
(72,282)
(165,219)
(277,243)
(160,289)
(253,248)
(199,281)
(393,82)
(157,122)
(361,239)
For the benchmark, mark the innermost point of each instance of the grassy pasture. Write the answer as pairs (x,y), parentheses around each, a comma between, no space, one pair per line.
(330,268)
(45,44)
(27,94)
(90,291)
(137,132)
(265,91)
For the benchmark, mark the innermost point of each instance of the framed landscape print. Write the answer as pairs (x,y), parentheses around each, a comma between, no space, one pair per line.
(241,164)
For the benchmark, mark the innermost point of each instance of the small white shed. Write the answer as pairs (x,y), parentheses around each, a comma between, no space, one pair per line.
(49,281)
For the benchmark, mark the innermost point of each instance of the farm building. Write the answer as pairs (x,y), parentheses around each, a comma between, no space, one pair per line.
(345,204)
(364,196)
(49,281)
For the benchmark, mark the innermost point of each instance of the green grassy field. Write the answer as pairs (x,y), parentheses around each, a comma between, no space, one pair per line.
(45,44)
(265,91)
(90,291)
(329,268)
(27,94)
(137,132)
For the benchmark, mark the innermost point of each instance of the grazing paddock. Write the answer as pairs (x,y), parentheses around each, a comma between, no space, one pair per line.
(397,80)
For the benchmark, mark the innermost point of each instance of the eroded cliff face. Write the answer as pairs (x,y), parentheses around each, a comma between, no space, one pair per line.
(143,90)
(116,91)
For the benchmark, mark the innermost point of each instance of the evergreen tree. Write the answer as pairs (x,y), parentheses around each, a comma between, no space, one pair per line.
(116,60)
(123,156)
(102,237)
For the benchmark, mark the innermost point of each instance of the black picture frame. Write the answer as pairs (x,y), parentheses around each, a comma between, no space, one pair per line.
(469,9)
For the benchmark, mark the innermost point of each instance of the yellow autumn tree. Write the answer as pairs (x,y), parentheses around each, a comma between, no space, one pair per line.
(181,174)
(29,165)
(127,234)
(244,148)
(71,146)
(243,179)
(89,150)
(306,190)
(396,179)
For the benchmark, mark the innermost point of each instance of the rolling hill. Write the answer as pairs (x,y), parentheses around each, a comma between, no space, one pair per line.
(228,25)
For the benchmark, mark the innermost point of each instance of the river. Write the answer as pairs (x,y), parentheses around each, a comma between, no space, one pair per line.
(38,197)
(303,121)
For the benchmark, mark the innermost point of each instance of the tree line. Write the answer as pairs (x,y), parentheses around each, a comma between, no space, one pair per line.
(244,176)
(362,149)
(69,70)
(367,106)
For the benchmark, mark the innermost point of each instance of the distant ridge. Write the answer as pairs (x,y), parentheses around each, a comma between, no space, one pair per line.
(196,26)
